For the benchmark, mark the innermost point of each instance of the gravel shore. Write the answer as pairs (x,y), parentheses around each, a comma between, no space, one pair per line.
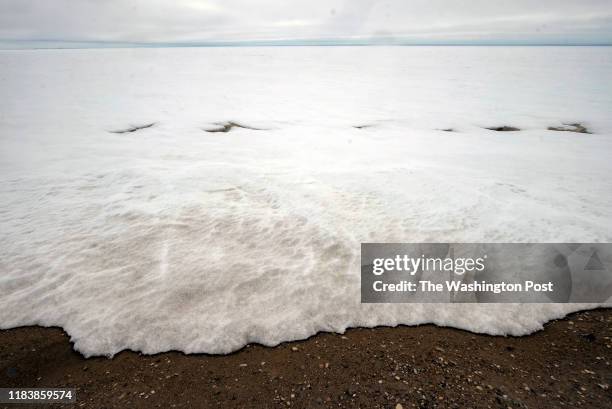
(567,365)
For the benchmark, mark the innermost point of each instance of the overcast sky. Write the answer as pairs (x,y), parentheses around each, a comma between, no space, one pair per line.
(29,22)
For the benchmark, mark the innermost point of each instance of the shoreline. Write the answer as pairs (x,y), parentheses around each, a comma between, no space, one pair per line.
(567,364)
(28,328)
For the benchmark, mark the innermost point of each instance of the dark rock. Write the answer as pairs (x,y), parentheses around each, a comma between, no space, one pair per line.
(503,128)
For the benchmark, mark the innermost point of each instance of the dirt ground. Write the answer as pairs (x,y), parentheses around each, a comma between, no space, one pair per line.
(567,365)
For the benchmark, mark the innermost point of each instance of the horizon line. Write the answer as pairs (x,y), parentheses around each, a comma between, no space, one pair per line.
(41,44)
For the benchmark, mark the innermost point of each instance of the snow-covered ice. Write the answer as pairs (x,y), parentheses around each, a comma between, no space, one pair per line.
(172,237)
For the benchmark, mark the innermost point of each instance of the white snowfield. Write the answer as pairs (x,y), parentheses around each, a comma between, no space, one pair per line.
(174,238)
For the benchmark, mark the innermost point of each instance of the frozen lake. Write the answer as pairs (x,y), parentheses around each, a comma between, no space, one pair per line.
(174,237)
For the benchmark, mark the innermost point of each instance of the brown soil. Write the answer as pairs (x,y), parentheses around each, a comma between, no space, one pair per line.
(567,365)
(578,128)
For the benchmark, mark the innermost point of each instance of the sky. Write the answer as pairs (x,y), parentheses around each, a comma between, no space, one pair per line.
(99,23)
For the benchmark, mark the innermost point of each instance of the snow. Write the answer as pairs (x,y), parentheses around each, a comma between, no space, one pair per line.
(174,238)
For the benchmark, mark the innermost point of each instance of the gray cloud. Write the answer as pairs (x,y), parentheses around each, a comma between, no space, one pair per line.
(187,21)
